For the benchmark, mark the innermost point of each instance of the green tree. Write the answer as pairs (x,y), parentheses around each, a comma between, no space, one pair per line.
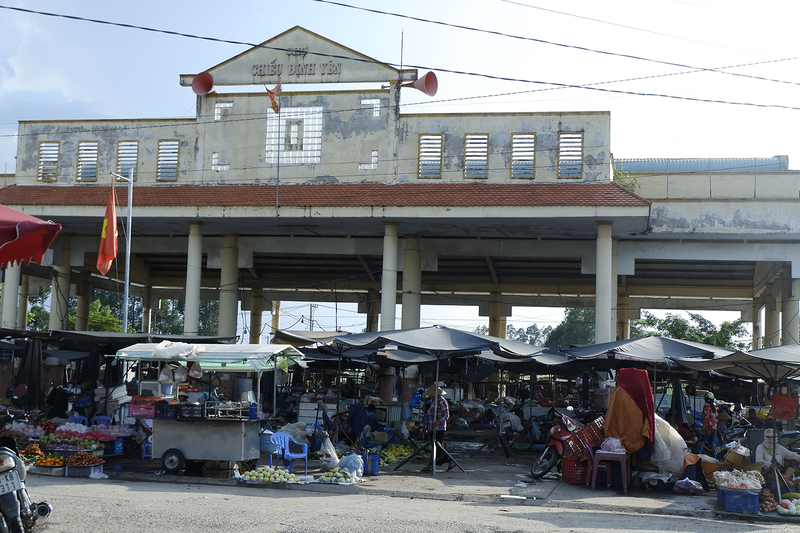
(696,328)
(209,318)
(100,318)
(168,318)
(576,328)
(38,315)
(530,335)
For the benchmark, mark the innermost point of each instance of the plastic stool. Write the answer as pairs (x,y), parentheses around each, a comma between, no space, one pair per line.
(604,459)
(147,450)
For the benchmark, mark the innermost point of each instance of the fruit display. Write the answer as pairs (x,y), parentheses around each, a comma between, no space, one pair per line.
(49,427)
(107,433)
(72,427)
(32,449)
(394,453)
(29,430)
(337,475)
(83,459)
(268,474)
(57,440)
(51,459)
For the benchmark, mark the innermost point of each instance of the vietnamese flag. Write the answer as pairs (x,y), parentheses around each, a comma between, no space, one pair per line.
(108,238)
(273,96)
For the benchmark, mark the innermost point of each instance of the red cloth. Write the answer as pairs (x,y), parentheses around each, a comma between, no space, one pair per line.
(637,384)
(108,238)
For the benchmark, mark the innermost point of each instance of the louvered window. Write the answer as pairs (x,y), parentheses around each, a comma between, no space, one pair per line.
(168,160)
(476,155)
(127,157)
(430,155)
(523,155)
(570,154)
(87,160)
(48,161)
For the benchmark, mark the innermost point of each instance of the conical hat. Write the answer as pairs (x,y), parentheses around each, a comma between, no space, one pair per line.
(433,389)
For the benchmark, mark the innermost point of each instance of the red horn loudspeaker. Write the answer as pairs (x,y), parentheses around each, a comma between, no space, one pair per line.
(203,83)
(426,84)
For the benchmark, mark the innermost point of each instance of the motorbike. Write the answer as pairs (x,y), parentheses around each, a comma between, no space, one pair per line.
(562,428)
(19,513)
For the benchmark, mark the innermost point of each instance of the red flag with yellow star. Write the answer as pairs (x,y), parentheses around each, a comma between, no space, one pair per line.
(108,238)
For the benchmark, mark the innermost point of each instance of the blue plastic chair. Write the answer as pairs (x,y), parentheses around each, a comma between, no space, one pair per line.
(284,442)
(78,419)
(100,420)
(147,450)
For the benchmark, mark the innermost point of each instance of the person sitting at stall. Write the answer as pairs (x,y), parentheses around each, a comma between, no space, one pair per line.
(372,419)
(753,418)
(786,460)
(349,389)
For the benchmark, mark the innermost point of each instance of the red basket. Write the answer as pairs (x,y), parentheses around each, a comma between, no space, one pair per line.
(573,470)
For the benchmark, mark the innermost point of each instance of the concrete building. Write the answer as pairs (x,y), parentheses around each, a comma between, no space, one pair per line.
(334,194)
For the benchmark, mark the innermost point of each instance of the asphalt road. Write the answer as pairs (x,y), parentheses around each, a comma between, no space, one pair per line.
(115,506)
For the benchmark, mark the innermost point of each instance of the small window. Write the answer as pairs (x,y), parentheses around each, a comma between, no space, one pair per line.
(48,161)
(294,136)
(375,103)
(430,155)
(523,155)
(373,165)
(167,160)
(215,165)
(476,155)
(87,160)
(219,106)
(127,157)
(570,154)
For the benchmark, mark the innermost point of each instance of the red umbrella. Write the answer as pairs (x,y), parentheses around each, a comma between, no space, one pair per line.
(24,238)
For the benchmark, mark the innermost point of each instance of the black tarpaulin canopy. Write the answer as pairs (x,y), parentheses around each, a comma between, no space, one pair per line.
(653,349)
(774,364)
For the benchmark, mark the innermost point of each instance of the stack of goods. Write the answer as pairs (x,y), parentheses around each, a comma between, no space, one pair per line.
(83,464)
(267,474)
(394,453)
(109,400)
(341,476)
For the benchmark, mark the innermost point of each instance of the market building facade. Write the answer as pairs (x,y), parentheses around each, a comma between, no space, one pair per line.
(333,194)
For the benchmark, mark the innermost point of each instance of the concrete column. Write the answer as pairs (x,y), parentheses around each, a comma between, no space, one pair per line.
(623,317)
(412,283)
(194,274)
(22,308)
(59,297)
(495,315)
(614,291)
(373,309)
(256,314)
(276,315)
(11,295)
(757,328)
(229,285)
(147,312)
(772,322)
(503,327)
(82,310)
(389,277)
(790,326)
(604,283)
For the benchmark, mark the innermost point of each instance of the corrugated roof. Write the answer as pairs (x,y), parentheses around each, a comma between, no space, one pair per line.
(338,195)
(777,163)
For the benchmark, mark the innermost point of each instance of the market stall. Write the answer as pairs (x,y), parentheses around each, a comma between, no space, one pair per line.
(208,426)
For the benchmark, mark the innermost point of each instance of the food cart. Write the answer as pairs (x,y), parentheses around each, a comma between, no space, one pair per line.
(214,430)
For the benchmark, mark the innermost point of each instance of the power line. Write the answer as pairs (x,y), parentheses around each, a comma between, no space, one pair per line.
(451,71)
(542,41)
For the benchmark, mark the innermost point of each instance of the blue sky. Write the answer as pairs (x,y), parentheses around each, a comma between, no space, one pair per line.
(57,68)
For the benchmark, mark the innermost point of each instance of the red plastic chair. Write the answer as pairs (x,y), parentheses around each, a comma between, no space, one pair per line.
(601,461)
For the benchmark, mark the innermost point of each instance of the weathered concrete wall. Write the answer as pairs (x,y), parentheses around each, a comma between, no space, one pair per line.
(721,185)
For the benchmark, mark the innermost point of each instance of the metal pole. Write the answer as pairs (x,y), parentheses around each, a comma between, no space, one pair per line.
(128,251)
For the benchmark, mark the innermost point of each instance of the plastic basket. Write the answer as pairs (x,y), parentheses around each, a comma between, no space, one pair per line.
(737,502)
(191,411)
(167,410)
(573,470)
(83,470)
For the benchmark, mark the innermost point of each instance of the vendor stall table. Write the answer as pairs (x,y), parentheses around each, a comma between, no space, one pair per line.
(177,441)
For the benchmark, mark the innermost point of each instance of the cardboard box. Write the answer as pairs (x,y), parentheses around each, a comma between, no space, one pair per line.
(736,460)
(380,436)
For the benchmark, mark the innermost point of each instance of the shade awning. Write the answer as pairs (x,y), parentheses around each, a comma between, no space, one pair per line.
(224,357)
(24,238)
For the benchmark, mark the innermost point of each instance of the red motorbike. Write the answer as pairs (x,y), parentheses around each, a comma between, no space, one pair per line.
(561,430)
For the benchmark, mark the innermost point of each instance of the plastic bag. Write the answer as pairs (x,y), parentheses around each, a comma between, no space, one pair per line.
(176,350)
(181,374)
(195,371)
(354,463)
(329,459)
(613,445)
(687,486)
(165,376)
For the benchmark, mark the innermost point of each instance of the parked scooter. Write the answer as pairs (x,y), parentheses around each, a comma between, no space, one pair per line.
(19,513)
(551,455)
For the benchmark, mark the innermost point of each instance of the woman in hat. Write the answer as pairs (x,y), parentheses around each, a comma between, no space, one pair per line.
(437,416)
(786,460)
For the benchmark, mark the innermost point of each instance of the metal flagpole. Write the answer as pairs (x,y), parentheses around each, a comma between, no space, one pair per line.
(129,179)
